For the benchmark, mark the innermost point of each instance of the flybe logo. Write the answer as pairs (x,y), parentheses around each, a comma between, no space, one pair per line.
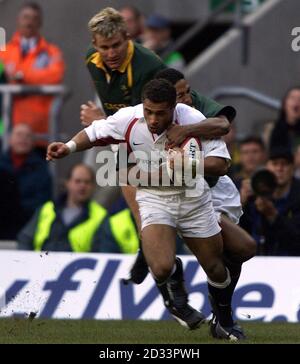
(130,307)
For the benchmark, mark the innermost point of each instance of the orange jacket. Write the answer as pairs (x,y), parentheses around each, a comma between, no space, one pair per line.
(42,65)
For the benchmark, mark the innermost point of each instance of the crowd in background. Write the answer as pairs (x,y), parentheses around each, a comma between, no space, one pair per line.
(28,208)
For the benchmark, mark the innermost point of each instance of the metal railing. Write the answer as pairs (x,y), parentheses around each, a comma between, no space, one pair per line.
(59,93)
(244,92)
(198,26)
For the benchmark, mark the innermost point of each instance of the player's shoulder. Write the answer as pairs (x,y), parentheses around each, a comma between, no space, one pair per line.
(187,115)
(89,54)
(146,55)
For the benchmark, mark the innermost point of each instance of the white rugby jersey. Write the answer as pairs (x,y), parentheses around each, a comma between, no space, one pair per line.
(128,125)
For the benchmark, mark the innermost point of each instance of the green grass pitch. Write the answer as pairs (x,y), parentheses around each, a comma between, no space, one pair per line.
(133,332)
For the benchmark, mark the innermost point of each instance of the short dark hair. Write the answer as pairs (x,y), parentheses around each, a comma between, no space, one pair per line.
(253,139)
(159,90)
(280,152)
(171,75)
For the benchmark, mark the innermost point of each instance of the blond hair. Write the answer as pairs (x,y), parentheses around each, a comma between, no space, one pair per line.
(107,23)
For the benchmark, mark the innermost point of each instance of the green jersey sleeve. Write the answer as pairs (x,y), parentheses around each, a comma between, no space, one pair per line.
(211,108)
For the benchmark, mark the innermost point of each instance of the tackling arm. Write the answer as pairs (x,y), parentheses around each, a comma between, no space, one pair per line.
(216,166)
(209,129)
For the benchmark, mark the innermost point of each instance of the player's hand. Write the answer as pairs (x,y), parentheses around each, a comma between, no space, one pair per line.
(57,150)
(176,135)
(90,112)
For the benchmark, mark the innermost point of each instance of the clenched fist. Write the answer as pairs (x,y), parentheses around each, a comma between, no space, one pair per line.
(57,150)
(176,135)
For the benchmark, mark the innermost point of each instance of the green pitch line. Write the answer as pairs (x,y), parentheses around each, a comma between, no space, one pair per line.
(133,332)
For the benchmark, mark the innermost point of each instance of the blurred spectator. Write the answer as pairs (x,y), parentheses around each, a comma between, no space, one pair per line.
(30,60)
(119,233)
(286,131)
(275,222)
(10,211)
(252,157)
(27,169)
(2,80)
(72,222)
(158,38)
(297,162)
(134,21)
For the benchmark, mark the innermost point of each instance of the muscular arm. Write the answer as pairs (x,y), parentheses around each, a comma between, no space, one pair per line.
(98,132)
(215,166)
(208,129)
(58,150)
(82,141)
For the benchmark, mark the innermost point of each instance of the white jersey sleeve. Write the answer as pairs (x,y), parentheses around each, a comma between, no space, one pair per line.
(215,148)
(115,126)
(185,115)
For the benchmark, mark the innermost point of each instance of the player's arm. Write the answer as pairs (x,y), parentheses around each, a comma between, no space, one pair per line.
(216,166)
(216,157)
(109,132)
(210,128)
(78,143)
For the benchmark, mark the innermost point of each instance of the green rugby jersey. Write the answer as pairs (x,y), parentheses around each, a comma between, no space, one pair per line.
(2,80)
(211,108)
(123,87)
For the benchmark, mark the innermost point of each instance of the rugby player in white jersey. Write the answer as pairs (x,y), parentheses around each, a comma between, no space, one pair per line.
(165,210)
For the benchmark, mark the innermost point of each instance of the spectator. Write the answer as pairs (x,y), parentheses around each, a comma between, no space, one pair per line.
(30,60)
(2,80)
(28,170)
(72,222)
(275,222)
(252,157)
(134,21)
(286,132)
(158,38)
(10,211)
(297,162)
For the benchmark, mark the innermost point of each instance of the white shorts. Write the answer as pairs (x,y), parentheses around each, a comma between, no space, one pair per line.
(226,199)
(188,215)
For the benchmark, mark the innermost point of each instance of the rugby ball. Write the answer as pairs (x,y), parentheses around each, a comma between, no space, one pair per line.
(183,162)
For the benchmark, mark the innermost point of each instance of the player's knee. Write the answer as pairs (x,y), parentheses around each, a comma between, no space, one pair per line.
(162,271)
(215,271)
